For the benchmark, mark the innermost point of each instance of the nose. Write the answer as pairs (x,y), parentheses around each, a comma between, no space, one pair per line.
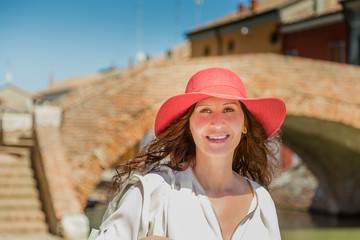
(217,120)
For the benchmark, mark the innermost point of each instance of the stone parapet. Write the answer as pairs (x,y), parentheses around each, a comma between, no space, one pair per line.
(58,176)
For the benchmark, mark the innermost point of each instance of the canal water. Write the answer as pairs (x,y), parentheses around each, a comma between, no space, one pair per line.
(296,225)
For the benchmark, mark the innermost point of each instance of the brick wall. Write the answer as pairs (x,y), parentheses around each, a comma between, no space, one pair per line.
(58,172)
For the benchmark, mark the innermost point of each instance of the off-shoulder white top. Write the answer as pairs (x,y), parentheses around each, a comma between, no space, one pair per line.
(173,204)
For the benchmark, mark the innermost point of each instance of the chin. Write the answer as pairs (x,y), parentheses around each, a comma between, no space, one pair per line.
(220,152)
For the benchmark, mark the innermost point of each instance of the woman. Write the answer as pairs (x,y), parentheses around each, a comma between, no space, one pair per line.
(201,177)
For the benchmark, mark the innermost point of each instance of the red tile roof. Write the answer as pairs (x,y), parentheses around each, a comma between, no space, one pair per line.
(263,6)
(17,89)
(329,6)
(75,82)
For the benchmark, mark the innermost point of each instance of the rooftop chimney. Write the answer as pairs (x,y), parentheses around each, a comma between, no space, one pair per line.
(254,5)
(318,6)
(51,79)
(241,8)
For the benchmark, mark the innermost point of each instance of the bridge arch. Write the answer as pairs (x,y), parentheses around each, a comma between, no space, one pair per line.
(331,151)
(323,107)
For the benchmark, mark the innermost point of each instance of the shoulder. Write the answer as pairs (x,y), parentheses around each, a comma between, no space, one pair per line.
(163,176)
(139,186)
(169,176)
(139,190)
(150,184)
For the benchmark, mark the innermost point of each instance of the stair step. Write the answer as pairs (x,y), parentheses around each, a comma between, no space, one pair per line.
(18,164)
(21,143)
(21,204)
(23,227)
(10,161)
(17,182)
(12,139)
(29,236)
(21,215)
(19,192)
(10,172)
(19,151)
(26,136)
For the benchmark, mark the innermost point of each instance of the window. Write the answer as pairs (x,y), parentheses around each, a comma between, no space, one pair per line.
(337,51)
(207,51)
(291,52)
(274,37)
(358,46)
(231,46)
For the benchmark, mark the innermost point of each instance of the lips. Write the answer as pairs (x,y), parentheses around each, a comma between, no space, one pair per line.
(218,138)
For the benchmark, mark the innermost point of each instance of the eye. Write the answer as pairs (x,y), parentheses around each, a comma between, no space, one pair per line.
(228,110)
(205,110)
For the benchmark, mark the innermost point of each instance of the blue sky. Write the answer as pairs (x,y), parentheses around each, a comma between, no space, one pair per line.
(79,37)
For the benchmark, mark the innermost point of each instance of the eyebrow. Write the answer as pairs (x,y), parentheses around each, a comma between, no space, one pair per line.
(228,103)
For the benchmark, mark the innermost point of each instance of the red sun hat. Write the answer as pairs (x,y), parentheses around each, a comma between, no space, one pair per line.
(221,83)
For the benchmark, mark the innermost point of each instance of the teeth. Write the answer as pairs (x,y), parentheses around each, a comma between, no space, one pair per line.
(217,138)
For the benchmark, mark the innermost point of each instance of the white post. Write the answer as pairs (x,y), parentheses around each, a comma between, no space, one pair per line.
(16,121)
(75,227)
(47,116)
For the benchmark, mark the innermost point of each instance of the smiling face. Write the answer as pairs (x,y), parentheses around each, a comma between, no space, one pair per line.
(216,126)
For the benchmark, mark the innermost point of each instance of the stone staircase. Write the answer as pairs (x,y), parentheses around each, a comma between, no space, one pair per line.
(20,206)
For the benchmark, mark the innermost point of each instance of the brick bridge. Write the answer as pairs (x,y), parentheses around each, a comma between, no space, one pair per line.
(104,121)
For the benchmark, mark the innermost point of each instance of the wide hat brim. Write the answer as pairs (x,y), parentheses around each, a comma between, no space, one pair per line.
(270,112)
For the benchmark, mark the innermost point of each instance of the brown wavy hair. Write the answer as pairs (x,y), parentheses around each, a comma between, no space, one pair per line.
(175,147)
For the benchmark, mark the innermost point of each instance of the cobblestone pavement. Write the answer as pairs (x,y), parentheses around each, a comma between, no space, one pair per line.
(29,237)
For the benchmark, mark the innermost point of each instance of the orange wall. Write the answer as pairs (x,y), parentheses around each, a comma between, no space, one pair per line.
(198,47)
(257,40)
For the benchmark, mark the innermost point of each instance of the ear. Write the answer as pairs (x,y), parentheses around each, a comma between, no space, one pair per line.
(244,131)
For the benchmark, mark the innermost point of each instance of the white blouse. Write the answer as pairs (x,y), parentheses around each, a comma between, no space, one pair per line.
(173,204)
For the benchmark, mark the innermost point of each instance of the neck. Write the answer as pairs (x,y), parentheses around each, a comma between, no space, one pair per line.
(214,173)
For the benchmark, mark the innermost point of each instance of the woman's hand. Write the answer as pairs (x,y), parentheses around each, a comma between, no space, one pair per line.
(155,238)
